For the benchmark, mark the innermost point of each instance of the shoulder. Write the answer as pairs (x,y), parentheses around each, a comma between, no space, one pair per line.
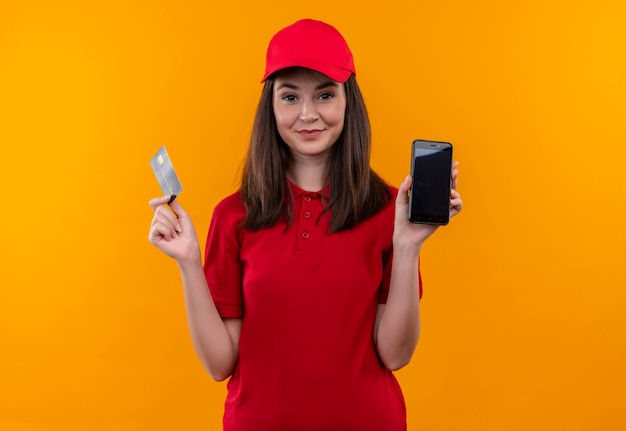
(393,194)
(393,190)
(230,209)
(386,213)
(231,202)
(225,227)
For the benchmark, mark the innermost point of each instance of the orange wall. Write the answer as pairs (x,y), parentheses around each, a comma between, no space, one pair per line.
(525,295)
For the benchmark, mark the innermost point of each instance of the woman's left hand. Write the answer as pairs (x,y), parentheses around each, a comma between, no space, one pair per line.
(414,234)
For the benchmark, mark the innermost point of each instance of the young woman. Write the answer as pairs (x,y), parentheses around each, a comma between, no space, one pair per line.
(309,294)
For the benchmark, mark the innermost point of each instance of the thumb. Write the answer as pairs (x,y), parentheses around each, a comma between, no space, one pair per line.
(177,208)
(403,191)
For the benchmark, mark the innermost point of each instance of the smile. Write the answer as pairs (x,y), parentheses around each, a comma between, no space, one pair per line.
(310,134)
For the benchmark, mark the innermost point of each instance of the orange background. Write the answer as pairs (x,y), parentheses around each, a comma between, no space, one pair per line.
(524,321)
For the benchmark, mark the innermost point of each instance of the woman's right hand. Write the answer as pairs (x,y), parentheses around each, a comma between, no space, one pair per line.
(172,231)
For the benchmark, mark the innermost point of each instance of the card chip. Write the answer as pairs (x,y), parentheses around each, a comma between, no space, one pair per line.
(160,159)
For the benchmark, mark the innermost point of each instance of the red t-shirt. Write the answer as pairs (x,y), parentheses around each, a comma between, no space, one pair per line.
(308,301)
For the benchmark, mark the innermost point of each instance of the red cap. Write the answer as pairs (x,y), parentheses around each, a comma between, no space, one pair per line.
(311,44)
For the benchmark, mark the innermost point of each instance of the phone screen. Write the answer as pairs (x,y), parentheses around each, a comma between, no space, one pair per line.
(429,200)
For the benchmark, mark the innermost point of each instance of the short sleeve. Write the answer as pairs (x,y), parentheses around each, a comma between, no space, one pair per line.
(383,291)
(222,263)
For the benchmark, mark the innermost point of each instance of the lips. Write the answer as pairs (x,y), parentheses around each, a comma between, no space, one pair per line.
(310,133)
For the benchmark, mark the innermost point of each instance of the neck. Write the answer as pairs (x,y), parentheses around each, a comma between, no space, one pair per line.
(308,176)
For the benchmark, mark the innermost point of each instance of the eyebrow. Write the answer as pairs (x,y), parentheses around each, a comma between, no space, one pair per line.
(319,87)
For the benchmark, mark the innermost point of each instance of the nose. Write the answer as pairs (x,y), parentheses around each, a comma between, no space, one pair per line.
(308,113)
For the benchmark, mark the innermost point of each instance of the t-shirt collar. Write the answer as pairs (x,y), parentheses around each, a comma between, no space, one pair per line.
(297,192)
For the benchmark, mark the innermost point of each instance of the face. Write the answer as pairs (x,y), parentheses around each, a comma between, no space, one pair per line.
(309,109)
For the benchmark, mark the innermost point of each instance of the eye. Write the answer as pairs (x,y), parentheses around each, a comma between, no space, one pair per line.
(326,96)
(289,98)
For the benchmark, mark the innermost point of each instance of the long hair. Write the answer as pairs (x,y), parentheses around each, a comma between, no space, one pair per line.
(356,191)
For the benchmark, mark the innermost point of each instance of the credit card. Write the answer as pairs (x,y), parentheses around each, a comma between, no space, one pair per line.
(164,171)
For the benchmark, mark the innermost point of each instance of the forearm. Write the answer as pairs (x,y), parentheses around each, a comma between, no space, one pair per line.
(210,337)
(399,325)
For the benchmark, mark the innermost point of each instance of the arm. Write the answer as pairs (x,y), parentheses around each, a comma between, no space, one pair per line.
(215,340)
(397,324)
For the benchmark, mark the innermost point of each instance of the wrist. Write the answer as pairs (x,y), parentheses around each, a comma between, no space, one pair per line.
(405,247)
(192,261)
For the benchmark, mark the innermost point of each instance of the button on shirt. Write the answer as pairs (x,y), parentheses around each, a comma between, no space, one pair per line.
(308,302)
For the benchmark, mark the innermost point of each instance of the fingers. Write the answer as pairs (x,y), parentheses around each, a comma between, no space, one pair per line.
(455,201)
(455,174)
(165,223)
(154,203)
(159,231)
(164,215)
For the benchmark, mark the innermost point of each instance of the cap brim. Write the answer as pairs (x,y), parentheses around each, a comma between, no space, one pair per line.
(333,72)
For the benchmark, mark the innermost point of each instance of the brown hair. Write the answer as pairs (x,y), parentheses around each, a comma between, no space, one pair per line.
(356,191)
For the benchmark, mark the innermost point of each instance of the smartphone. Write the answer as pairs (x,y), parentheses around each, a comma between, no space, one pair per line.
(431,169)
